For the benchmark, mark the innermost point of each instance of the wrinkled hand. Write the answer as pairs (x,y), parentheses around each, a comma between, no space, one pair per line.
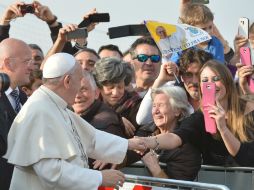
(62,34)
(112,178)
(43,12)
(129,128)
(12,12)
(243,72)
(218,113)
(137,144)
(150,159)
(91,26)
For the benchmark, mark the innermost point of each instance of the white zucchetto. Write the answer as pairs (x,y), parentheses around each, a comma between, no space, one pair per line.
(57,65)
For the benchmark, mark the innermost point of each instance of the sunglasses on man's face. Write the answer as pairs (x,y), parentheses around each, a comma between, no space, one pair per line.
(143,58)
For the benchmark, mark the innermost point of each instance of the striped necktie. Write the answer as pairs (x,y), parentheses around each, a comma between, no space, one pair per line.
(15,95)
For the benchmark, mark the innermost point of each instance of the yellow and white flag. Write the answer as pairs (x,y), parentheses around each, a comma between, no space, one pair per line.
(174,38)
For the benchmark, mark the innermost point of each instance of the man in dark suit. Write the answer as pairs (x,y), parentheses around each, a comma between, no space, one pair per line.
(16,62)
(4,85)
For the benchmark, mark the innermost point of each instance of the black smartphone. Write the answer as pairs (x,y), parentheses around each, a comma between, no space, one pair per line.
(98,17)
(128,30)
(27,8)
(79,33)
(200,1)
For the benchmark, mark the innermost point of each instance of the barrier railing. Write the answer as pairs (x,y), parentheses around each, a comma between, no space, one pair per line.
(133,182)
(234,178)
(177,184)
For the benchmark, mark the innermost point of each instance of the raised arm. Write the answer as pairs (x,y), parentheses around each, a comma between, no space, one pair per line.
(12,12)
(144,115)
(60,41)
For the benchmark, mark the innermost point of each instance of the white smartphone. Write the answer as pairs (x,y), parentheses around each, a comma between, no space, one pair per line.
(78,33)
(243,27)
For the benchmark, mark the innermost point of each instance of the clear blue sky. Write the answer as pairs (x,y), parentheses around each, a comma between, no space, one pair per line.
(123,12)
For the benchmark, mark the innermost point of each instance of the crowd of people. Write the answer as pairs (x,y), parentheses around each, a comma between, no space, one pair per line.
(72,118)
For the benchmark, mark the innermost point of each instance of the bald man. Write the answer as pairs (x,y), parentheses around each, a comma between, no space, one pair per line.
(50,144)
(15,61)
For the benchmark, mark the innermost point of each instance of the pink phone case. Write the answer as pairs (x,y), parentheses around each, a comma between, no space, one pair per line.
(245,56)
(208,98)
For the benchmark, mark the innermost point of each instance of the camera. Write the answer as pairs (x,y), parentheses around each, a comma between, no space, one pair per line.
(4,82)
(27,8)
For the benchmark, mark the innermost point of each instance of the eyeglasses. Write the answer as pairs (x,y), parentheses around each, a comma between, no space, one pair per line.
(143,58)
(29,62)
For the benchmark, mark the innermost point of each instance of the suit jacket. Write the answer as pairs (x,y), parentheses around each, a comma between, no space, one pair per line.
(3,133)
(6,169)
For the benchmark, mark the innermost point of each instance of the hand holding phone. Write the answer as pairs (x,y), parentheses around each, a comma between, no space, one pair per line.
(78,33)
(245,57)
(27,8)
(208,99)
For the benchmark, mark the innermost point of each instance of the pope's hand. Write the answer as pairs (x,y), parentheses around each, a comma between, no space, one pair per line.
(137,144)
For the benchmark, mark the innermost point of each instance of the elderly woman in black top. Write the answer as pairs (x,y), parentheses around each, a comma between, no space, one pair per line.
(170,106)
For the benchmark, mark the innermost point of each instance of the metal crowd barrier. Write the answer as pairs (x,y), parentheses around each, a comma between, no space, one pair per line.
(159,183)
(235,178)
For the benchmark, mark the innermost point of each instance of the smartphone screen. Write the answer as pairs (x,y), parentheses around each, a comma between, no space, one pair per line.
(200,1)
(208,98)
(98,17)
(243,27)
(78,33)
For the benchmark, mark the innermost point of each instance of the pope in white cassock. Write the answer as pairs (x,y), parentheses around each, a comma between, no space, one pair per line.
(49,144)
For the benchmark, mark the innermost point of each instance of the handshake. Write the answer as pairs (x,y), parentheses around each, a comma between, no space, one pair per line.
(141,144)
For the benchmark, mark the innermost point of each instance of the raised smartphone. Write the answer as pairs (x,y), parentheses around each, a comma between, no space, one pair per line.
(243,27)
(245,56)
(208,98)
(78,33)
(200,1)
(98,17)
(128,30)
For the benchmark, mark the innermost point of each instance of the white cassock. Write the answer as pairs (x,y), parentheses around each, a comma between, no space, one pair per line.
(175,40)
(49,146)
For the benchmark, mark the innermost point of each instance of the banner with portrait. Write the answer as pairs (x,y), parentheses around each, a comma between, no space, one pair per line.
(174,38)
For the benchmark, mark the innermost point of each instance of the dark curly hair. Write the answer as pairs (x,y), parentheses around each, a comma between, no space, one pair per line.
(193,55)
